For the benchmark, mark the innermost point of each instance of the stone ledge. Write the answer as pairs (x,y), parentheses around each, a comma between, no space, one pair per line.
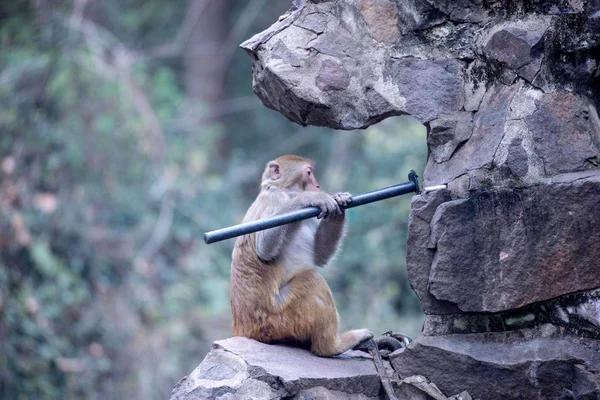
(241,368)
(535,364)
(504,249)
(244,368)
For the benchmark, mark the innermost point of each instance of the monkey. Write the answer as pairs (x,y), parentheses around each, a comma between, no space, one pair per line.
(277,293)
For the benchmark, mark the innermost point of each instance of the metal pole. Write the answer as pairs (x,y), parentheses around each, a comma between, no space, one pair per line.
(243,229)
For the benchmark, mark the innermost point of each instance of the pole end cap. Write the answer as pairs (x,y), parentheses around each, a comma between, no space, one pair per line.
(414,178)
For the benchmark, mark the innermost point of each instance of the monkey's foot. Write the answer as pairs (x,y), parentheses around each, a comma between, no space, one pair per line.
(359,336)
(346,341)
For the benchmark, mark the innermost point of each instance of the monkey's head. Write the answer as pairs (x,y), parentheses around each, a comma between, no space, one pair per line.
(290,172)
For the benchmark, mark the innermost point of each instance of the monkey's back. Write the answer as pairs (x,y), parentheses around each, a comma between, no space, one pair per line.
(252,283)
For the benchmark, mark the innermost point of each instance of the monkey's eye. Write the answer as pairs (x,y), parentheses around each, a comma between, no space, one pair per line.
(276,170)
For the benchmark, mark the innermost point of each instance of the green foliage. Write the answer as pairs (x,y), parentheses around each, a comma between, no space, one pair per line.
(108,181)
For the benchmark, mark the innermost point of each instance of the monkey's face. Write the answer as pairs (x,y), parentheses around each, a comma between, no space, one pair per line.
(291,173)
(310,182)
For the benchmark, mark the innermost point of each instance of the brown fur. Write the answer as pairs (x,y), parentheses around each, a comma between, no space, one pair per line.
(277,293)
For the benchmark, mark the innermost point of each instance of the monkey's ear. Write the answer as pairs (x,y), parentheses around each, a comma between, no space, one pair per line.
(274,173)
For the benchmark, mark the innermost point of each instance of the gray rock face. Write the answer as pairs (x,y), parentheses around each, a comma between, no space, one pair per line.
(542,363)
(518,49)
(578,313)
(478,152)
(415,54)
(564,134)
(241,368)
(447,133)
(419,254)
(429,87)
(506,262)
(516,158)
(332,76)
(516,246)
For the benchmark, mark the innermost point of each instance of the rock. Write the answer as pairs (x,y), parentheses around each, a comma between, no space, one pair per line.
(336,64)
(573,176)
(507,249)
(461,396)
(326,51)
(478,151)
(475,85)
(589,311)
(417,388)
(287,56)
(424,47)
(542,363)
(381,16)
(243,368)
(564,133)
(477,278)
(447,133)
(586,384)
(332,76)
(419,256)
(529,71)
(516,160)
(578,313)
(467,11)
(319,393)
(460,187)
(430,87)
(316,22)
(515,47)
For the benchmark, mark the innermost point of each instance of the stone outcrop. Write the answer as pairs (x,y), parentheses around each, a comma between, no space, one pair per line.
(506,261)
(241,368)
(516,245)
(537,363)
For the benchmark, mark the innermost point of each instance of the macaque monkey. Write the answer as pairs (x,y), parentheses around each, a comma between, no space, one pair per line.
(277,292)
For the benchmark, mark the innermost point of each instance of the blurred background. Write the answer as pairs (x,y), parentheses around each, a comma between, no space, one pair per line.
(128,128)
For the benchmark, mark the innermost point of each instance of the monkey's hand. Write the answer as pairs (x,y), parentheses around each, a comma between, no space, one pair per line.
(343,198)
(326,203)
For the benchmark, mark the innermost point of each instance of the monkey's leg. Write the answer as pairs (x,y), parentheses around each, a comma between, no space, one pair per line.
(333,345)
(304,310)
(325,340)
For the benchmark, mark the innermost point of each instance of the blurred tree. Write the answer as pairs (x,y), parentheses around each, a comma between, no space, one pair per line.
(128,129)
(205,60)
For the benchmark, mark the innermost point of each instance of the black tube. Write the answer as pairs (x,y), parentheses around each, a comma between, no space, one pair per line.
(243,229)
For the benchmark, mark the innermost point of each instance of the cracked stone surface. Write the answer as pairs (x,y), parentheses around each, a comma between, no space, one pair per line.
(516,246)
(541,363)
(241,368)
(244,368)
(415,56)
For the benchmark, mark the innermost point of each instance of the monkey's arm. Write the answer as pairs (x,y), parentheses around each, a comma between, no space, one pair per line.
(269,242)
(330,232)
(327,239)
